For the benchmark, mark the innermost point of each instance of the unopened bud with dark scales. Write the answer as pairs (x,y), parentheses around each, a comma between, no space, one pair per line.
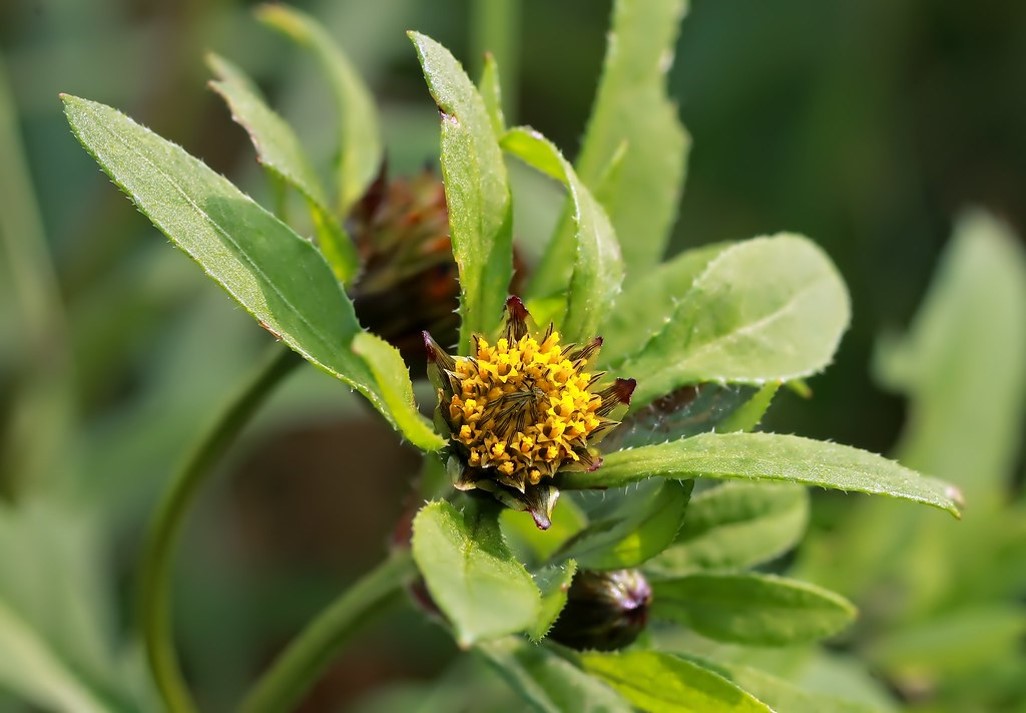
(604,610)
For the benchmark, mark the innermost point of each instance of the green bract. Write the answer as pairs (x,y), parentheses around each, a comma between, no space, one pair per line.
(709,336)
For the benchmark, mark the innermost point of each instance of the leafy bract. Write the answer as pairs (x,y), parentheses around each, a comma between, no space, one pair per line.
(754,609)
(767,309)
(633,529)
(598,266)
(548,682)
(632,111)
(471,574)
(360,151)
(554,583)
(769,457)
(273,273)
(279,150)
(735,526)
(476,191)
(655,681)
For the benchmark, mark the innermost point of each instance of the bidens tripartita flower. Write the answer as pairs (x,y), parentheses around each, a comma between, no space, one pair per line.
(523,409)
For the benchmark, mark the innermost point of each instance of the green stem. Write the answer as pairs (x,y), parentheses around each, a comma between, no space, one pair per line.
(310,653)
(157,556)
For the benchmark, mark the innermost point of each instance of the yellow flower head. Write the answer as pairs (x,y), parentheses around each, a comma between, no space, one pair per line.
(520,410)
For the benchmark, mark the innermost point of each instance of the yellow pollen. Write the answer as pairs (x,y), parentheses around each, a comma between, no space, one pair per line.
(522,407)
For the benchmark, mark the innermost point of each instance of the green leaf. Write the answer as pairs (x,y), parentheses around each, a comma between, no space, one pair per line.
(633,529)
(655,681)
(645,306)
(598,267)
(471,574)
(54,621)
(554,583)
(735,526)
(755,609)
(780,694)
(961,364)
(749,415)
(632,108)
(476,191)
(550,683)
(491,93)
(537,546)
(767,309)
(769,457)
(279,150)
(392,378)
(274,274)
(360,152)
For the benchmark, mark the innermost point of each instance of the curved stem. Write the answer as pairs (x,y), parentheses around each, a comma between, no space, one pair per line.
(316,646)
(157,555)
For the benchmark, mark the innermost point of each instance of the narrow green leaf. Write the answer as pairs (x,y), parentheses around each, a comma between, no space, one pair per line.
(554,583)
(767,309)
(782,695)
(491,93)
(598,267)
(273,273)
(393,382)
(769,457)
(632,108)
(279,150)
(537,546)
(550,683)
(655,681)
(476,191)
(748,417)
(755,609)
(646,306)
(633,529)
(360,151)
(735,526)
(471,574)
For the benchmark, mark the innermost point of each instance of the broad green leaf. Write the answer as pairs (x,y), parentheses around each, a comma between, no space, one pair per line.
(655,681)
(273,273)
(471,574)
(392,378)
(537,546)
(598,267)
(360,151)
(687,411)
(755,609)
(54,622)
(550,683)
(554,583)
(279,150)
(767,309)
(769,457)
(735,526)
(645,306)
(961,363)
(632,109)
(633,529)
(476,191)
(782,695)
(491,93)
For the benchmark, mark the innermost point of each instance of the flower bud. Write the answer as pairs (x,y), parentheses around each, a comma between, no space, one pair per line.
(604,610)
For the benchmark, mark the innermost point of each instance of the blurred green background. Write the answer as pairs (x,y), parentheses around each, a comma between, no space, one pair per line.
(867,125)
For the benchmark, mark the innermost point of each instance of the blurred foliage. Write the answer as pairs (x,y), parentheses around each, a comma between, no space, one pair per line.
(867,124)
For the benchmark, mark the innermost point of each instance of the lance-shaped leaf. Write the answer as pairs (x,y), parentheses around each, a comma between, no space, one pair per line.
(598,266)
(360,151)
(554,583)
(550,683)
(767,309)
(476,191)
(279,278)
(632,110)
(769,457)
(491,93)
(735,526)
(279,150)
(655,681)
(755,609)
(471,574)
